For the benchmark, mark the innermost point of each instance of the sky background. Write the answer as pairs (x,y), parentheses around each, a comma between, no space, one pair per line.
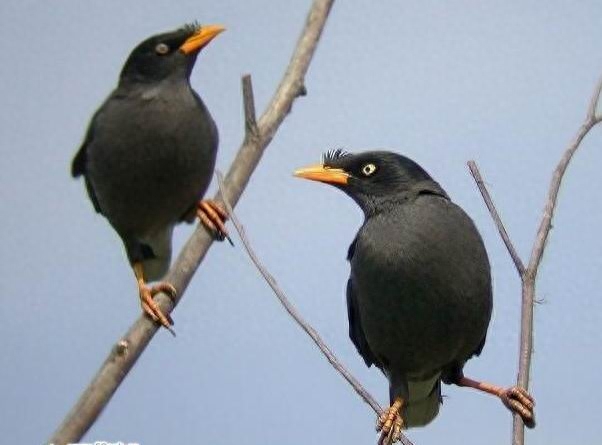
(506,83)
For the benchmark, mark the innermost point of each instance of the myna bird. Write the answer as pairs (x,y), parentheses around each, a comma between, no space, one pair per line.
(149,154)
(419,294)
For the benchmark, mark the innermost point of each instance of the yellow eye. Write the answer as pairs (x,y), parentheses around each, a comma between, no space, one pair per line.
(368,169)
(161,49)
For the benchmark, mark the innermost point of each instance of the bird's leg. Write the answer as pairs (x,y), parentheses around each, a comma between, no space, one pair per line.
(390,423)
(212,216)
(149,306)
(516,399)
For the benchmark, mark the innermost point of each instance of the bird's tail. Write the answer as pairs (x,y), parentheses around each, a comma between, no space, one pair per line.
(421,411)
(156,264)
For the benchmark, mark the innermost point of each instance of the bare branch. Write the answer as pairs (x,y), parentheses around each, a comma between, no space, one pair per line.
(124,355)
(530,275)
(525,352)
(288,306)
(474,171)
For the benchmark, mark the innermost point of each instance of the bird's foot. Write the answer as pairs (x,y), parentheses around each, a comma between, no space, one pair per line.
(519,401)
(151,308)
(516,399)
(390,423)
(212,216)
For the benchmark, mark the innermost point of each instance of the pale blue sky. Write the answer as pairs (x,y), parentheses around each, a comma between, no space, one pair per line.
(506,83)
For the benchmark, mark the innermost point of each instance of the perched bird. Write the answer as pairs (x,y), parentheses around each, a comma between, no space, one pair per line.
(149,154)
(419,294)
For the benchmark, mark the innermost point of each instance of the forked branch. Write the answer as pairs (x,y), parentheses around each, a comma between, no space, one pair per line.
(528,275)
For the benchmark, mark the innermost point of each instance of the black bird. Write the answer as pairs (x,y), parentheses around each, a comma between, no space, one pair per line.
(419,295)
(149,154)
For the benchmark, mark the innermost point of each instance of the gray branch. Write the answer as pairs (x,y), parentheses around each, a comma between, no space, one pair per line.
(292,311)
(124,354)
(529,274)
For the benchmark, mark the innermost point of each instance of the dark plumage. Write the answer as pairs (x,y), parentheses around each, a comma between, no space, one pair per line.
(419,294)
(149,152)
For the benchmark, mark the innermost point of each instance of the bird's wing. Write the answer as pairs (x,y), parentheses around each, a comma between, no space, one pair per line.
(477,351)
(79,163)
(356,333)
(205,112)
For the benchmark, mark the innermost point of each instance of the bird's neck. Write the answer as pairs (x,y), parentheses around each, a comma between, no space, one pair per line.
(142,82)
(375,204)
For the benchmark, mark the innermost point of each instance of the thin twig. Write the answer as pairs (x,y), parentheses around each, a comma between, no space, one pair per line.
(476,174)
(548,213)
(530,275)
(127,350)
(288,306)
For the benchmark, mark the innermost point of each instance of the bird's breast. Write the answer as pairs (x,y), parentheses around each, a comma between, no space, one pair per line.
(151,158)
(422,301)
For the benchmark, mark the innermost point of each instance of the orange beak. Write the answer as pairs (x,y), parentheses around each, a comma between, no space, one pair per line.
(325,174)
(201,38)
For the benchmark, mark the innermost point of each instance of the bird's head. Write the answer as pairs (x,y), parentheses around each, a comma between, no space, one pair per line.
(169,54)
(371,177)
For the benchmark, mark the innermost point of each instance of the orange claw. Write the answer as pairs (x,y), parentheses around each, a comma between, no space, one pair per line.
(149,305)
(390,423)
(212,216)
(516,399)
(521,402)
